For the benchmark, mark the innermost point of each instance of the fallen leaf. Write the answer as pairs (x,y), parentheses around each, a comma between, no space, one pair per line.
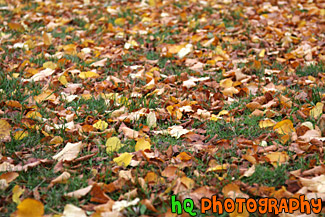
(9,176)
(124,159)
(50,65)
(73,211)
(218,168)
(46,95)
(88,74)
(129,133)
(284,127)
(249,172)
(19,135)
(5,130)
(47,38)
(99,63)
(121,205)
(40,75)
(152,120)
(113,144)
(142,144)
(79,193)
(183,156)
(266,123)
(29,208)
(317,110)
(69,152)
(177,131)
(63,178)
(120,21)
(17,191)
(100,125)
(277,158)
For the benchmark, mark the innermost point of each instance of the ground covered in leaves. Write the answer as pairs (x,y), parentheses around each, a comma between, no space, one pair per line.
(110,107)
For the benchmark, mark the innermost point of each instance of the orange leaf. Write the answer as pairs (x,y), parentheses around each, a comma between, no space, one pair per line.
(284,127)
(183,156)
(29,208)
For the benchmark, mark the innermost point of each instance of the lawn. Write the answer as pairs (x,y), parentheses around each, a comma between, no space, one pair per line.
(119,108)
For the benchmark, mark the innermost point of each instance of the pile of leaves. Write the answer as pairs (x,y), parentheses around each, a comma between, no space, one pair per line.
(110,107)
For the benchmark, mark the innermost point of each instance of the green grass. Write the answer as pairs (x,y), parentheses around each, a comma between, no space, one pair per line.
(311,70)
(87,111)
(268,176)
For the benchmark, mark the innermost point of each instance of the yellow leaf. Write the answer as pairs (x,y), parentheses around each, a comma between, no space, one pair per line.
(50,65)
(46,95)
(17,191)
(284,127)
(30,208)
(215,117)
(63,80)
(266,123)
(34,115)
(153,3)
(277,157)
(124,159)
(5,129)
(100,125)
(218,168)
(142,144)
(56,140)
(19,135)
(223,112)
(120,21)
(174,48)
(317,110)
(225,83)
(262,53)
(88,74)
(113,144)
(70,49)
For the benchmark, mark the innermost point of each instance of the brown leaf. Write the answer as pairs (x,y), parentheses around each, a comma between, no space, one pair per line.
(79,193)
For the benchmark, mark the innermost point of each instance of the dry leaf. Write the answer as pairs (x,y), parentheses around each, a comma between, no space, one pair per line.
(277,158)
(152,120)
(284,127)
(63,178)
(266,123)
(317,110)
(69,152)
(5,130)
(129,133)
(79,193)
(73,211)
